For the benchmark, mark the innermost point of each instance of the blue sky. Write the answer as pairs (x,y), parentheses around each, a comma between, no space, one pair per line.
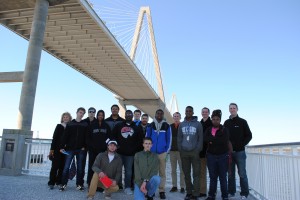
(211,53)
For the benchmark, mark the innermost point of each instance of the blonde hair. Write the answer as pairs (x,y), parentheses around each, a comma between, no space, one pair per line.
(62,116)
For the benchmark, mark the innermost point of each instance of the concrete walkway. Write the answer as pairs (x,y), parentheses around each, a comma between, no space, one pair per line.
(35,188)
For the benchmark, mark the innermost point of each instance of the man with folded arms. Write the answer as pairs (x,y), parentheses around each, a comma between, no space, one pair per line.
(107,164)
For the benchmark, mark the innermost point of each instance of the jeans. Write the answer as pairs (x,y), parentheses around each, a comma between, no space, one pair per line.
(238,159)
(80,159)
(128,165)
(151,187)
(217,167)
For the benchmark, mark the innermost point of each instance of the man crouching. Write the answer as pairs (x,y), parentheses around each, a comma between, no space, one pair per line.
(145,172)
(108,167)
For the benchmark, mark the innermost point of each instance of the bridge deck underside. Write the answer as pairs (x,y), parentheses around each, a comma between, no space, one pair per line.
(78,37)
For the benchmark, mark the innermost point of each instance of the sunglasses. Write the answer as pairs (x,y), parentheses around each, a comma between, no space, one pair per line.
(92,111)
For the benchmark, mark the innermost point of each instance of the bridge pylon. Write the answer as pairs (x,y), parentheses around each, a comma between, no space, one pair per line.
(146,11)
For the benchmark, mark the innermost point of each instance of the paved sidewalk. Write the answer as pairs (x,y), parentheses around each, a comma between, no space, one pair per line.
(35,188)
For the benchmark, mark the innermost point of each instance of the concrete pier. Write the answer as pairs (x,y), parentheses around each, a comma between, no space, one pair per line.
(32,65)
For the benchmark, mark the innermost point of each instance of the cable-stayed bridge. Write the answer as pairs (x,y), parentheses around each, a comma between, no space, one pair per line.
(73,32)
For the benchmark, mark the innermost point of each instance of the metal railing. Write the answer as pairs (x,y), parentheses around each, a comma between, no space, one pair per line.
(274,171)
(37,162)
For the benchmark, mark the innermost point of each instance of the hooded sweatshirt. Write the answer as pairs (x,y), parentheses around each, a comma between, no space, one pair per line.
(190,135)
(97,136)
(129,138)
(160,133)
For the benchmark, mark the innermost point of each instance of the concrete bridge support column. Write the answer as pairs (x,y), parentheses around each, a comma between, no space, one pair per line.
(32,65)
(122,108)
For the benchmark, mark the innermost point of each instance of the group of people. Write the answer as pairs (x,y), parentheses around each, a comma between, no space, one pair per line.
(142,148)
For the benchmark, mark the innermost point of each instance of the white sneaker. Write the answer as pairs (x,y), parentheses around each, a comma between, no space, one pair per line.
(128,191)
(107,195)
(243,197)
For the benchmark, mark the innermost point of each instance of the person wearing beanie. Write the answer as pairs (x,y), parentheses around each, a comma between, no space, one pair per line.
(107,165)
(218,150)
(240,136)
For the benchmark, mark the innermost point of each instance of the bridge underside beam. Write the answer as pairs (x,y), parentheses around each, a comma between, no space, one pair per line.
(154,102)
(148,106)
(11,77)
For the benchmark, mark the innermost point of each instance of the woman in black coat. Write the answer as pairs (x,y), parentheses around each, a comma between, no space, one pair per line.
(57,158)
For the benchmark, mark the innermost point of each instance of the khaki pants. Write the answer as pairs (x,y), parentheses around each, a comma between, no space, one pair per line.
(162,171)
(96,183)
(203,181)
(174,159)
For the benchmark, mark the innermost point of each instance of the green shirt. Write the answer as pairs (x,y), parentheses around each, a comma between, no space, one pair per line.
(145,166)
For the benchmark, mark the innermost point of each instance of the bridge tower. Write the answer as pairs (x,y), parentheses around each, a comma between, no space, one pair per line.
(146,11)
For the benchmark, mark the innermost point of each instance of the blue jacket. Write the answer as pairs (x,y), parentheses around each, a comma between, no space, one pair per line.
(161,139)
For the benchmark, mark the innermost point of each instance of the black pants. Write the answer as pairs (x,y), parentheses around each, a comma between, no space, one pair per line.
(92,157)
(58,163)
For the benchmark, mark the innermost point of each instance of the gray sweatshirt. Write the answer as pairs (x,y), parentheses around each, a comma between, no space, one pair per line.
(190,135)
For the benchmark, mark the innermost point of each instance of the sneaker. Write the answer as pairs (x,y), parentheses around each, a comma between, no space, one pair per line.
(231,195)
(188,197)
(202,195)
(120,187)
(243,197)
(107,195)
(62,188)
(210,198)
(80,188)
(174,189)
(90,198)
(193,198)
(162,195)
(182,190)
(128,191)
(51,187)
(149,198)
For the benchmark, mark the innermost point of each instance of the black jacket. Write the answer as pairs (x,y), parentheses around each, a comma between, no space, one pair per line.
(74,137)
(57,137)
(240,134)
(87,120)
(97,136)
(217,144)
(174,131)
(129,138)
(205,124)
(113,122)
